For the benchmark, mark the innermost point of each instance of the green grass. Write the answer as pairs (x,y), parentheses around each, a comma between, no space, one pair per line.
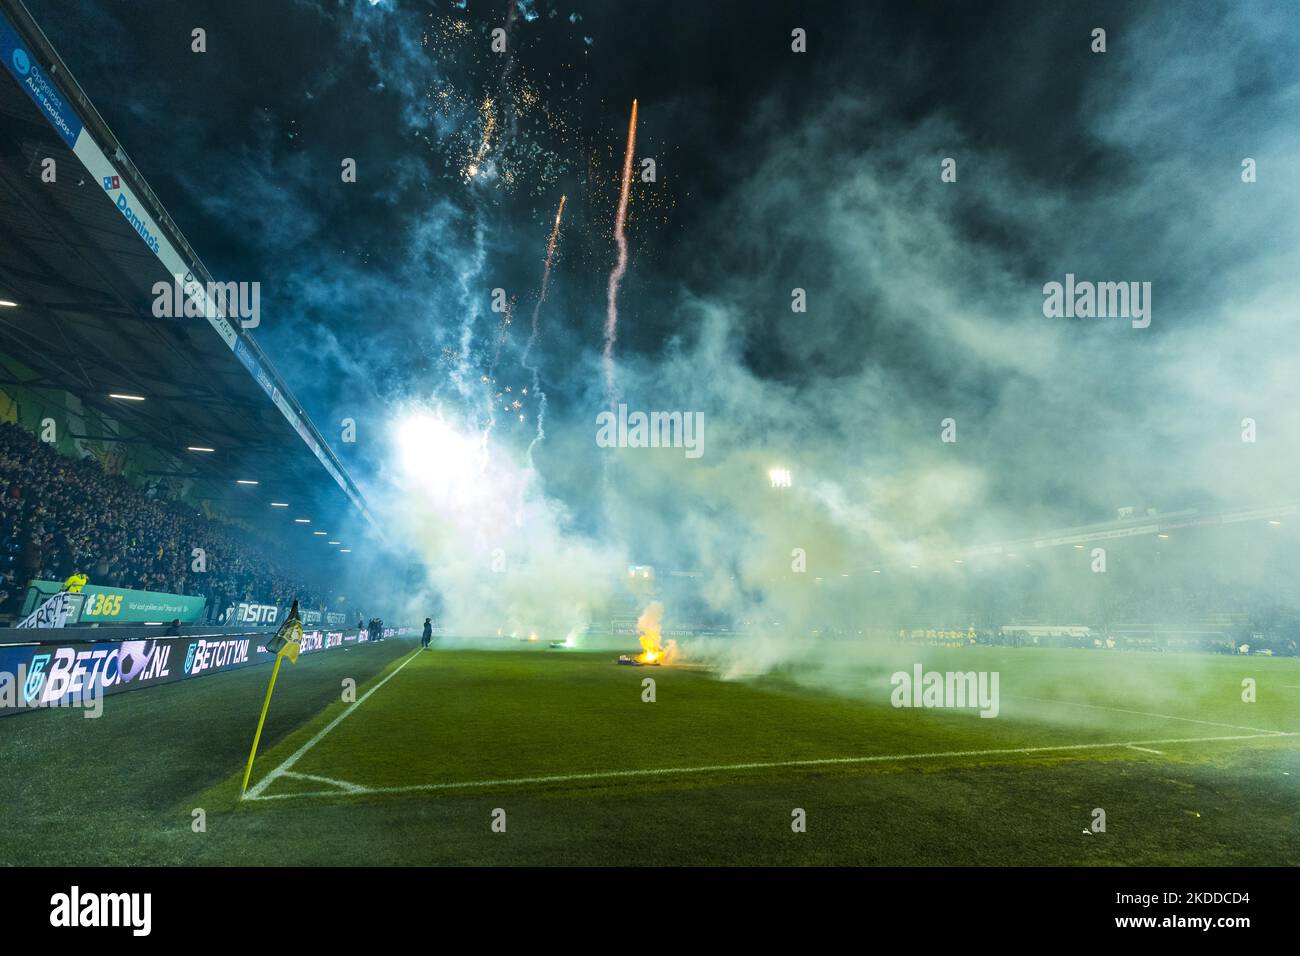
(466,732)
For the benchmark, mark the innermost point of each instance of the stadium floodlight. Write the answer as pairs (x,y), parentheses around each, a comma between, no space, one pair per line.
(320,533)
(279,504)
(345,550)
(245,481)
(302,521)
(779,477)
(333,542)
(875,571)
(1274,521)
(198,448)
(125,397)
(8,304)
(1162,536)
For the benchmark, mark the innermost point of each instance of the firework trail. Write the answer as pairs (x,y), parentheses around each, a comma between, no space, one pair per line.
(616,276)
(550,256)
(476,162)
(532,338)
(464,373)
(489,377)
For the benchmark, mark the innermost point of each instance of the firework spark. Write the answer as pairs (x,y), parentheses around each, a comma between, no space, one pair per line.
(616,276)
(476,162)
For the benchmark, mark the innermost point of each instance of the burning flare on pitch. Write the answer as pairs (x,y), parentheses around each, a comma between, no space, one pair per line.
(649,627)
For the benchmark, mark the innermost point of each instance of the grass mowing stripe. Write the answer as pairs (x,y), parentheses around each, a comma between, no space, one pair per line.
(266,781)
(769,765)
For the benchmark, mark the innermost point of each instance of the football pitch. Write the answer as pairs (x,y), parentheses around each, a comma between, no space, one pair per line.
(545,757)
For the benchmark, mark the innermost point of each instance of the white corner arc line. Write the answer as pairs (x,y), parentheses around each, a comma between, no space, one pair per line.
(266,781)
(341,784)
(775,764)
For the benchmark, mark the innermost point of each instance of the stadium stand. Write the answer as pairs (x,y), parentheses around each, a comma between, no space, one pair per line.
(59,516)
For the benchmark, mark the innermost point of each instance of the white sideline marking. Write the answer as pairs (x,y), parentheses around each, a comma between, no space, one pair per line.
(1143,713)
(766,765)
(1147,750)
(265,782)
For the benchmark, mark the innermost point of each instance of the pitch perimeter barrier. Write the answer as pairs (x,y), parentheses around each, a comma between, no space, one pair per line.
(100,604)
(64,671)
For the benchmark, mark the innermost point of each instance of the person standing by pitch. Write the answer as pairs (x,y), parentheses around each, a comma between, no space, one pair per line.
(428,634)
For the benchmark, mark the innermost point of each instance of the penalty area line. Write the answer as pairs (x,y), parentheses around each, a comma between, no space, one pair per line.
(1144,713)
(769,765)
(256,792)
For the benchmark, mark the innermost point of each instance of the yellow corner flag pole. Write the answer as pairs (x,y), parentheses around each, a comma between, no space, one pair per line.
(248,771)
(286,643)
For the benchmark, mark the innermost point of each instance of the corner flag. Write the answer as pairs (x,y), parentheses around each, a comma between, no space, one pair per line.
(286,643)
(287,640)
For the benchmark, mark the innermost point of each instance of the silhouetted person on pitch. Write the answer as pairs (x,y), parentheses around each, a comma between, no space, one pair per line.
(428,634)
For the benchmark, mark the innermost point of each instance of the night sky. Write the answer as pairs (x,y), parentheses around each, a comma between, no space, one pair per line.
(776,170)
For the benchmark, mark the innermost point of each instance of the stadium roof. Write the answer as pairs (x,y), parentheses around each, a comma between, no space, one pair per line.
(80,255)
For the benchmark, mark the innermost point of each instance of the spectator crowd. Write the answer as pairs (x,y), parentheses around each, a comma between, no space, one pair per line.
(59,516)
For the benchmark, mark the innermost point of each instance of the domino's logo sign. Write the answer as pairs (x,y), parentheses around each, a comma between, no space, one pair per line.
(112,182)
(22,63)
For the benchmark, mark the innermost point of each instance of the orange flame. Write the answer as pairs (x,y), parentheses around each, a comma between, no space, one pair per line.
(654,649)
